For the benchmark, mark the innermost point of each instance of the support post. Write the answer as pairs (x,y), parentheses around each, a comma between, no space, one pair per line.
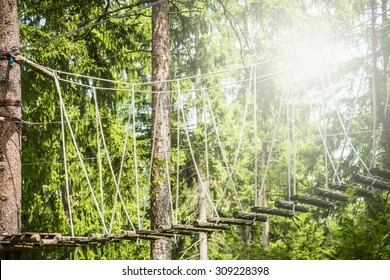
(10,161)
(161,249)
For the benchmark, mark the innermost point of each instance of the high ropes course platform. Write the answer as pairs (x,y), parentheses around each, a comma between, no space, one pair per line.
(49,241)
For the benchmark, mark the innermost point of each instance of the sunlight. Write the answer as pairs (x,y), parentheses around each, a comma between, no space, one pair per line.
(310,61)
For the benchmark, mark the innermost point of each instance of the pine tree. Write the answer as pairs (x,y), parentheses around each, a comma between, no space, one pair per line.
(10,96)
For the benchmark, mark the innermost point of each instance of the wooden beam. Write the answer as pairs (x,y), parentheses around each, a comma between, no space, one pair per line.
(192,228)
(173,232)
(250,216)
(273,211)
(331,194)
(205,224)
(230,221)
(36,67)
(372,182)
(45,242)
(380,173)
(156,233)
(289,205)
(129,234)
(357,191)
(312,201)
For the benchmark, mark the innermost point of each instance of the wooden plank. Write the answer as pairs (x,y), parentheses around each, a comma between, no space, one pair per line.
(26,237)
(45,242)
(273,211)
(357,191)
(128,234)
(250,216)
(230,221)
(380,173)
(156,233)
(289,205)
(372,182)
(205,224)
(312,201)
(331,194)
(76,239)
(192,228)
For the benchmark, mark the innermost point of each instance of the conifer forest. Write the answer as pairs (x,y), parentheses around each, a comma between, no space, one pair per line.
(195,130)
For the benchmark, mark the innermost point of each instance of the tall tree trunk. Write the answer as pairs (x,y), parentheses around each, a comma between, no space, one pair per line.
(202,216)
(386,70)
(264,198)
(10,162)
(161,249)
(377,97)
(202,180)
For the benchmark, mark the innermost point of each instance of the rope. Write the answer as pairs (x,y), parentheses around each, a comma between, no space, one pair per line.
(116,181)
(255,136)
(355,103)
(177,163)
(294,147)
(66,170)
(288,151)
(224,158)
(99,160)
(191,150)
(135,155)
(325,135)
(206,139)
(272,144)
(240,67)
(78,151)
(241,136)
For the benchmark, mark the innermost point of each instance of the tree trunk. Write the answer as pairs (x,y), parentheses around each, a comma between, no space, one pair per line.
(386,69)
(202,180)
(202,216)
(264,199)
(377,97)
(160,194)
(10,161)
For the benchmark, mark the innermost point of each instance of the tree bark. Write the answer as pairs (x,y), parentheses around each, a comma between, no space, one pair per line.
(202,216)
(386,76)
(161,249)
(377,97)
(264,199)
(10,161)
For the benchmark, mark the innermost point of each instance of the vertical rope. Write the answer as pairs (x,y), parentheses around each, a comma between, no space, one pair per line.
(116,181)
(325,134)
(192,152)
(276,129)
(255,136)
(135,155)
(99,156)
(78,151)
(241,136)
(206,140)
(288,150)
(294,147)
(177,163)
(66,170)
(219,144)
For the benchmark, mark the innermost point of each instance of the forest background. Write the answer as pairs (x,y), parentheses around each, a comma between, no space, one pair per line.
(304,53)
